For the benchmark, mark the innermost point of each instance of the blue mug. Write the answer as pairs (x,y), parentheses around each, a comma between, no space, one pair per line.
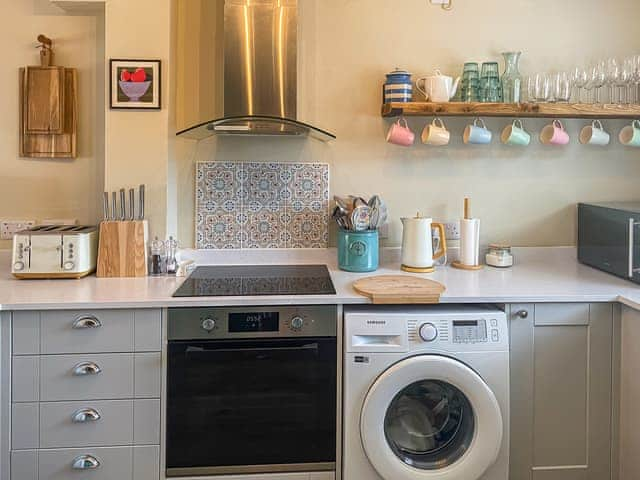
(358,251)
(477,134)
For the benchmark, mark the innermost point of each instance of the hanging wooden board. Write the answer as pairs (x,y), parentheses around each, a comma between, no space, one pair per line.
(399,289)
(43,97)
(48,145)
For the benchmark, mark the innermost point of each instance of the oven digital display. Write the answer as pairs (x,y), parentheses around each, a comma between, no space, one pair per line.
(254,322)
(469,331)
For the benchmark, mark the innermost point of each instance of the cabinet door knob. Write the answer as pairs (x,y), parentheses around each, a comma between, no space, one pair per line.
(86,368)
(86,321)
(522,314)
(85,415)
(85,462)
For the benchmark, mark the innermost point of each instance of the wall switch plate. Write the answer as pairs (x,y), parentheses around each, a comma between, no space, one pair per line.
(8,228)
(452,230)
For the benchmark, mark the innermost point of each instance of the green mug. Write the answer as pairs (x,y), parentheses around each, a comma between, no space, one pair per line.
(630,135)
(515,134)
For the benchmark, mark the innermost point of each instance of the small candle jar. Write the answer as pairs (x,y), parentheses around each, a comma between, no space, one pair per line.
(499,256)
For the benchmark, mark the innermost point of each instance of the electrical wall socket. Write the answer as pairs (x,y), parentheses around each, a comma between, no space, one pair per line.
(452,230)
(8,228)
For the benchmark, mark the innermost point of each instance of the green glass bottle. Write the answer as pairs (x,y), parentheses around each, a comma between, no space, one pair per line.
(511,79)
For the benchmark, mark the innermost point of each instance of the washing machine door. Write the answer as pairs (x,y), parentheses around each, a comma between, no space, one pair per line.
(431,417)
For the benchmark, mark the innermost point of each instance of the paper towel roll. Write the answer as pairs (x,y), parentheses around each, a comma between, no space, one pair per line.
(470,241)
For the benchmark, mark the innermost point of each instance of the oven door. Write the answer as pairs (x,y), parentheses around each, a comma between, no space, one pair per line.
(251,406)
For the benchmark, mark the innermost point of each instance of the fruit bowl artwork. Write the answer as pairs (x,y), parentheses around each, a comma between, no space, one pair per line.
(134,85)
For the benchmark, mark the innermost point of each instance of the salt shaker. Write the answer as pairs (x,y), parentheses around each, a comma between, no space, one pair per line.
(172,262)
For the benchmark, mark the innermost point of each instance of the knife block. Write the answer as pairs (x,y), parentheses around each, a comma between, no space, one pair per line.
(123,249)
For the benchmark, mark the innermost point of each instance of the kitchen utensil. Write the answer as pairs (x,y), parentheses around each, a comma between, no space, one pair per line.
(105,206)
(477,134)
(132,204)
(400,133)
(123,205)
(398,87)
(358,202)
(114,206)
(438,87)
(54,251)
(594,134)
(417,244)
(358,251)
(630,135)
(374,212)
(554,134)
(399,289)
(515,134)
(141,192)
(360,219)
(436,133)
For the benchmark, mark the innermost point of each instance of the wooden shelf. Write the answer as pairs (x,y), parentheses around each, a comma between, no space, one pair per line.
(523,110)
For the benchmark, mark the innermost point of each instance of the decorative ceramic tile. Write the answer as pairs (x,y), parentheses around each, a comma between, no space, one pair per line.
(309,229)
(262,205)
(309,182)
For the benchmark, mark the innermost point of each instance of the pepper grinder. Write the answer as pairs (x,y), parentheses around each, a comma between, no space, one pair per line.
(172,249)
(158,262)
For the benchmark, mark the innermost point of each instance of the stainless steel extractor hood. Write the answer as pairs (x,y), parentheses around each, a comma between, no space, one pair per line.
(252,89)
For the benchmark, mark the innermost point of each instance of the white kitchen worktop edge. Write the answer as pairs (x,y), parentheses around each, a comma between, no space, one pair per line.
(546,274)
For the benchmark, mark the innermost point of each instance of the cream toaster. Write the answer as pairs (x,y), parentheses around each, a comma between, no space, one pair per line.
(55,251)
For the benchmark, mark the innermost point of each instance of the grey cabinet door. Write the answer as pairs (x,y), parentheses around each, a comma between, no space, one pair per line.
(561,391)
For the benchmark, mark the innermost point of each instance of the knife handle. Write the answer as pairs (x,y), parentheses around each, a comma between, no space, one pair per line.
(114,206)
(141,202)
(123,205)
(132,206)
(105,206)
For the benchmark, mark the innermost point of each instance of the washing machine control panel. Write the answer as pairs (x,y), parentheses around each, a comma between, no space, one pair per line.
(469,331)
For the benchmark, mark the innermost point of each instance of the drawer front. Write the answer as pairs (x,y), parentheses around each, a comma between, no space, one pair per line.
(61,377)
(111,463)
(87,331)
(86,424)
(116,463)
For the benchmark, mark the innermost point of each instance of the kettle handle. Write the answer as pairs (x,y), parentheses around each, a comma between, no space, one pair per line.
(443,241)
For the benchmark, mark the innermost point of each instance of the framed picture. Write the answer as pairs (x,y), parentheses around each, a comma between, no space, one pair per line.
(135,84)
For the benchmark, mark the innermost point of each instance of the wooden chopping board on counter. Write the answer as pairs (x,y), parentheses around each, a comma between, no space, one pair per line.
(399,289)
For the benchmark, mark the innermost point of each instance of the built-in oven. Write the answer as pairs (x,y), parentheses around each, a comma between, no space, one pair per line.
(251,390)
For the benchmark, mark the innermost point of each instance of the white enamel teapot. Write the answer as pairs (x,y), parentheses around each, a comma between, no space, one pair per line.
(438,87)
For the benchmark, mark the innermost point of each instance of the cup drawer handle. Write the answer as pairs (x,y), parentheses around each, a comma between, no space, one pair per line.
(86,321)
(86,368)
(85,415)
(85,462)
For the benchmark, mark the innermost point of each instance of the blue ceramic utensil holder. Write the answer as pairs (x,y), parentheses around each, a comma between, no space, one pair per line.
(358,251)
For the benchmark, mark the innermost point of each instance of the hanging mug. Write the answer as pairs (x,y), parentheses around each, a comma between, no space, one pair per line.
(630,135)
(594,134)
(515,134)
(477,134)
(400,134)
(436,133)
(554,134)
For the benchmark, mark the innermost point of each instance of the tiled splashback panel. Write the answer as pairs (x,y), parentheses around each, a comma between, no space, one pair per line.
(262,205)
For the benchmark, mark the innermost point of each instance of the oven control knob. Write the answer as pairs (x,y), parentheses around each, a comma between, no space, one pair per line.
(297,323)
(428,332)
(208,324)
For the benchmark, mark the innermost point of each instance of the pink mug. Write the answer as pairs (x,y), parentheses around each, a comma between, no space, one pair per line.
(554,134)
(401,134)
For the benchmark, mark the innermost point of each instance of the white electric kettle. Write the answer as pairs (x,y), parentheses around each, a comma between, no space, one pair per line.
(438,87)
(417,244)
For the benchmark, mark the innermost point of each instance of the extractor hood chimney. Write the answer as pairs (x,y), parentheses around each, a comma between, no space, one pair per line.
(259,80)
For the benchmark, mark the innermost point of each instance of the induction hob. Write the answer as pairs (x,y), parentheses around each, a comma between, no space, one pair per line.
(246,280)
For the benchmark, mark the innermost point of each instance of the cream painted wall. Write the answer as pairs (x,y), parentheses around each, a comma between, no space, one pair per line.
(139,143)
(524,196)
(42,188)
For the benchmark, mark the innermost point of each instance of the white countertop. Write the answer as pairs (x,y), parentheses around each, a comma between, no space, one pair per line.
(540,275)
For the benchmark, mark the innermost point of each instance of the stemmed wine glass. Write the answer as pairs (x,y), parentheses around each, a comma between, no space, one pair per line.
(597,80)
(612,75)
(579,80)
(636,77)
(623,82)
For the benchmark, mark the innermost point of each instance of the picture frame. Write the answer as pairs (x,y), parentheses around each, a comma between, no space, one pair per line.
(135,84)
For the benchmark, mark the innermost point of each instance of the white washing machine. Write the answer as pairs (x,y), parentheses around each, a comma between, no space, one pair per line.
(426,393)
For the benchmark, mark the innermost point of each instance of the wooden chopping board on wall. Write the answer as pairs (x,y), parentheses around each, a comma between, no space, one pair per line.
(399,289)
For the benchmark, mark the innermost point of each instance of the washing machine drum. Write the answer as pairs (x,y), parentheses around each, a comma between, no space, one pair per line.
(431,417)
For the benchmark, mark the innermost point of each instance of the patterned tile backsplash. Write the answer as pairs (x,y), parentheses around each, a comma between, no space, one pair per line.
(262,205)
